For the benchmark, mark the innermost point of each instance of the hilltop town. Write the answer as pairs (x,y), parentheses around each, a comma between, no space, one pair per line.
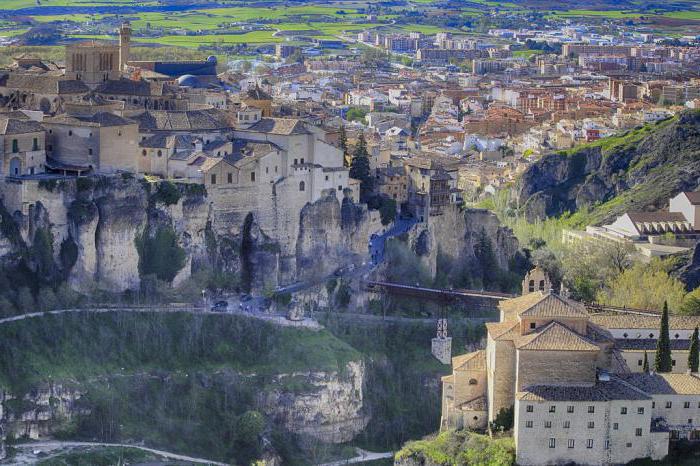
(418,233)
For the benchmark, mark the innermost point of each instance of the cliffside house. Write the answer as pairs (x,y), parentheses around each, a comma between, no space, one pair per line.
(23,145)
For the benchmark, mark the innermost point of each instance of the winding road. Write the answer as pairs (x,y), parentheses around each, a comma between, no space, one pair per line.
(22,458)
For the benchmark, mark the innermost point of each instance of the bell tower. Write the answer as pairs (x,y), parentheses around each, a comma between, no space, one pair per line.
(124,39)
(441,345)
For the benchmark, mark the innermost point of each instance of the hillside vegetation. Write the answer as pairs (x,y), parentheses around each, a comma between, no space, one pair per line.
(637,170)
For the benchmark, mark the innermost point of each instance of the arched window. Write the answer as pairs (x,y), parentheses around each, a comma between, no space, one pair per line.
(143,152)
(160,153)
(541,285)
(302,186)
(531,286)
(473,382)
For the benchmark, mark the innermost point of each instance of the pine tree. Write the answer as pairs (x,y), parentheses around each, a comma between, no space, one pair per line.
(694,357)
(359,168)
(662,362)
(645,366)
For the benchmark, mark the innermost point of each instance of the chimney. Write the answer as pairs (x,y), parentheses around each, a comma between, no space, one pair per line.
(198,146)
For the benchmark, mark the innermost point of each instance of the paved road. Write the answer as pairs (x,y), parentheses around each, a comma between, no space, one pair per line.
(255,314)
(46,447)
(362,456)
(377,244)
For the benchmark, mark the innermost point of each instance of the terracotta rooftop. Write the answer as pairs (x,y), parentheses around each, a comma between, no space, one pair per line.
(632,321)
(477,404)
(543,304)
(470,362)
(506,330)
(555,337)
(601,391)
(663,384)
(282,126)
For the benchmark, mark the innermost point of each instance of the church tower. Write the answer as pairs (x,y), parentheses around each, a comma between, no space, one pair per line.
(124,39)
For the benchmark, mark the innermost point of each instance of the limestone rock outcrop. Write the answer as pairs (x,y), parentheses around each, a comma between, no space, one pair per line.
(330,408)
(654,164)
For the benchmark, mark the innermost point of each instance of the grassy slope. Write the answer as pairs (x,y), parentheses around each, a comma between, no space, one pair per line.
(83,346)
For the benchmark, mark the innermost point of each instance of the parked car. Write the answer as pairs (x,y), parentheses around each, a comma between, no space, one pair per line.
(220,306)
(246,297)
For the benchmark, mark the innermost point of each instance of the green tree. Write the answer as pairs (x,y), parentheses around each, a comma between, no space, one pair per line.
(359,168)
(504,419)
(645,365)
(643,286)
(160,254)
(249,427)
(387,210)
(663,362)
(693,357)
(691,303)
(356,114)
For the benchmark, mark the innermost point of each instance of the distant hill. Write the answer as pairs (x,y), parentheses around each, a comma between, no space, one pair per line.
(635,171)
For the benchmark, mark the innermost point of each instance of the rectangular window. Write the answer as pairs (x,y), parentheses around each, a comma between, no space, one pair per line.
(640,410)
(591,424)
(589,443)
(89,151)
(213,178)
(607,444)
(669,405)
(569,409)
(570,443)
(639,362)
(552,443)
(591,409)
(638,431)
(15,146)
(230,178)
(35,144)
(532,325)
(623,410)
(653,405)
(252,176)
(528,424)
(673,362)
(567,424)
(547,424)
(686,405)
(552,409)
(529,408)
(616,426)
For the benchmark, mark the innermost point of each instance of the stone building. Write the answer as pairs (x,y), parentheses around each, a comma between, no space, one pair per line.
(567,376)
(96,142)
(45,93)
(93,62)
(23,146)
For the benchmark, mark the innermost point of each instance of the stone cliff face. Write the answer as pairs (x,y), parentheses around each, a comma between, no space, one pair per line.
(324,406)
(40,412)
(453,240)
(644,168)
(330,408)
(97,224)
(332,234)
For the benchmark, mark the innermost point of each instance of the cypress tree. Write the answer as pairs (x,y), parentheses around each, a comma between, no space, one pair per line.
(645,367)
(359,168)
(662,362)
(694,357)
